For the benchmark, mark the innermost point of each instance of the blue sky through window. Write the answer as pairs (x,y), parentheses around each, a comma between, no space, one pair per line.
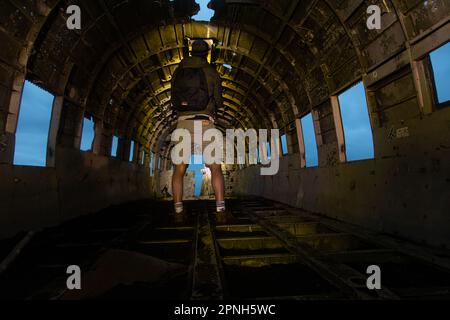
(33,126)
(115,143)
(131,150)
(196,168)
(440,59)
(87,136)
(205,14)
(284,146)
(356,123)
(268,150)
(151,163)
(309,137)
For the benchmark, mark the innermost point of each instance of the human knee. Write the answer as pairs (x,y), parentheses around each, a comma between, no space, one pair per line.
(180,170)
(215,169)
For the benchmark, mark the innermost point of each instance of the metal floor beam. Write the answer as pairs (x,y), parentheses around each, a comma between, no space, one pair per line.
(264,250)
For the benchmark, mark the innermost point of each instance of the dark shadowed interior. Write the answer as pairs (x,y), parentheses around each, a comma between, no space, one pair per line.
(308,232)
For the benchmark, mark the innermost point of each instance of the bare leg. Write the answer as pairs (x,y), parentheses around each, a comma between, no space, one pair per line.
(177,182)
(217,182)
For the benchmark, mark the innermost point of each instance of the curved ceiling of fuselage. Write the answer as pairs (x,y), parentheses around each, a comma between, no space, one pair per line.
(281,53)
(141,89)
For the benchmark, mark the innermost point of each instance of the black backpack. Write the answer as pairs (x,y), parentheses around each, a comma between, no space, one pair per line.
(190,90)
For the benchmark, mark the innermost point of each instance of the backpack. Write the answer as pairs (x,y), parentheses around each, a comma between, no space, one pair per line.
(190,90)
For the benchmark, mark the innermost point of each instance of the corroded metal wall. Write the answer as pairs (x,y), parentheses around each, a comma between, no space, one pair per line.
(288,57)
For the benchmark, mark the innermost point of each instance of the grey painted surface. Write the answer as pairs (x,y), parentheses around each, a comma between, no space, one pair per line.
(33,197)
(405,194)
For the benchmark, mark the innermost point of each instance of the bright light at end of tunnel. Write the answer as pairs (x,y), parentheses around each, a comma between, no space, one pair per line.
(197,166)
(205,14)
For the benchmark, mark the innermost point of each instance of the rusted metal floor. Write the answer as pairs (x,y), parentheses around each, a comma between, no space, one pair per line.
(264,250)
